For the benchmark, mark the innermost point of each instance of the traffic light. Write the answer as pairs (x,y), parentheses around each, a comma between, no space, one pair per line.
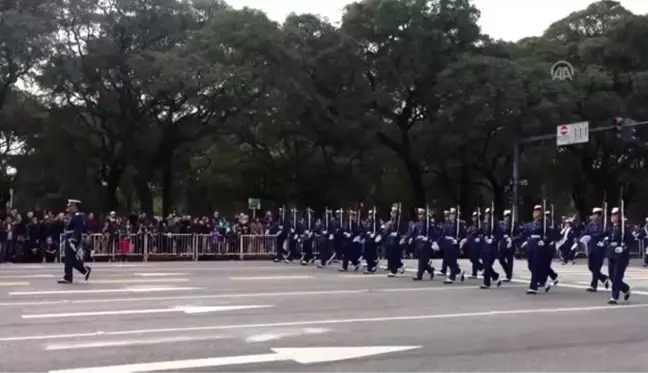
(625,129)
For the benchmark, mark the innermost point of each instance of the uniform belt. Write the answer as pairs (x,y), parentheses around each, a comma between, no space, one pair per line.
(420,237)
(614,243)
(536,236)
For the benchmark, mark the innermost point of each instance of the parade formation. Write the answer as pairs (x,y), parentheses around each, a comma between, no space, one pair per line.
(349,237)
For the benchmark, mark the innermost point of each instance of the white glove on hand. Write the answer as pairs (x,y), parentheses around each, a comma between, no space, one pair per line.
(477,240)
(600,244)
(462,242)
(378,238)
(435,246)
(574,247)
(541,243)
(331,237)
(489,241)
(585,239)
(393,234)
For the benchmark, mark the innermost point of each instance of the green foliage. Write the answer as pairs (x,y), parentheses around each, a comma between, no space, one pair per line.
(200,106)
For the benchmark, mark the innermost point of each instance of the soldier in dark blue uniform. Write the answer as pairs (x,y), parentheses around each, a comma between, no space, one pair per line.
(74,232)
(618,256)
(279,228)
(473,243)
(551,235)
(446,220)
(642,240)
(371,239)
(421,240)
(391,235)
(532,233)
(491,235)
(325,238)
(308,238)
(593,238)
(506,250)
(452,241)
(352,248)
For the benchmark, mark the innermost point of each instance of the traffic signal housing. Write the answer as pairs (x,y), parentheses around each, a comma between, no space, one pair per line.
(625,129)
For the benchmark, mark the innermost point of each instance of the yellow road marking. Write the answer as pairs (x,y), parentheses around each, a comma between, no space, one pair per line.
(14,283)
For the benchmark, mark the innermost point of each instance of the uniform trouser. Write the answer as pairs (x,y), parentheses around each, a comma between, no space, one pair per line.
(616,269)
(474,258)
(594,264)
(488,256)
(352,252)
(307,250)
(72,261)
(505,257)
(281,249)
(444,262)
(548,255)
(451,260)
(566,252)
(394,253)
(338,248)
(293,246)
(536,265)
(325,250)
(371,255)
(423,255)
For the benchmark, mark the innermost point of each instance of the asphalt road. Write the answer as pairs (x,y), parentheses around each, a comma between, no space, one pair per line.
(259,316)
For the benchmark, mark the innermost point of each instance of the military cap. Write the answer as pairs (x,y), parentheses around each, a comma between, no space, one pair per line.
(615,210)
(597,210)
(507,212)
(537,207)
(73,202)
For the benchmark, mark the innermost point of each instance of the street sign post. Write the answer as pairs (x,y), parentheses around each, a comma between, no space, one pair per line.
(254,204)
(573,133)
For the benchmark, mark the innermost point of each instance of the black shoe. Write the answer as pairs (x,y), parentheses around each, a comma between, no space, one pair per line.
(64,281)
(417,278)
(612,301)
(606,283)
(626,296)
(432,274)
(590,290)
(87,274)
(463,276)
(532,292)
(484,287)
(499,283)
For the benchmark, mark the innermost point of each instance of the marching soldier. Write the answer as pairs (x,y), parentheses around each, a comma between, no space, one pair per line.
(325,239)
(593,238)
(568,243)
(351,249)
(533,234)
(74,232)
(420,236)
(391,233)
(452,241)
(473,242)
(642,239)
(308,239)
(506,248)
(371,240)
(491,234)
(550,234)
(618,255)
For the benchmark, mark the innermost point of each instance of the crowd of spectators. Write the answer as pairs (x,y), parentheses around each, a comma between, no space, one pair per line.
(35,237)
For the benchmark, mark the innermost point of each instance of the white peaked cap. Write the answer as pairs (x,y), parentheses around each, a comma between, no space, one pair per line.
(547,212)
(453,210)
(446,212)
(475,214)
(487,211)
(596,210)
(507,212)
(537,207)
(420,210)
(615,210)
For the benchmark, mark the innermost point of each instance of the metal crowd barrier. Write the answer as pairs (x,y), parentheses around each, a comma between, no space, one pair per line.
(173,246)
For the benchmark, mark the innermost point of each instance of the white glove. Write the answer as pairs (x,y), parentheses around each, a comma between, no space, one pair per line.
(393,234)
(347,234)
(378,238)
(425,239)
(402,241)
(356,239)
(292,230)
(331,237)
(435,246)
(267,232)
(574,247)
(453,241)
(524,244)
(489,241)
(600,244)
(613,244)
(618,249)
(296,236)
(477,240)
(541,243)
(462,242)
(585,239)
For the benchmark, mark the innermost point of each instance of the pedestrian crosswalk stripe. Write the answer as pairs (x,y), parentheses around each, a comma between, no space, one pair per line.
(139,280)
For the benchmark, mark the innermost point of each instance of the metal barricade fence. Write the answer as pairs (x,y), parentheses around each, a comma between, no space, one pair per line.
(160,246)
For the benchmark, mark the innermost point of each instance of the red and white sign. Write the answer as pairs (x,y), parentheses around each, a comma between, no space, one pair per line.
(573,133)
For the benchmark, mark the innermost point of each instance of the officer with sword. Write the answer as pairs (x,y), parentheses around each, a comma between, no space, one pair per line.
(593,237)
(491,235)
(371,241)
(76,228)
(452,242)
(391,233)
(506,253)
(618,253)
(421,236)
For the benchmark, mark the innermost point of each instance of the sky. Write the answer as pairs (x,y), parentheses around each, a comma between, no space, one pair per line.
(510,20)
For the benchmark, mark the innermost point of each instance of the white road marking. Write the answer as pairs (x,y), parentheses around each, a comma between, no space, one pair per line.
(91,291)
(264,278)
(126,343)
(139,280)
(190,310)
(279,334)
(308,355)
(337,321)
(13,283)
(159,274)
(28,276)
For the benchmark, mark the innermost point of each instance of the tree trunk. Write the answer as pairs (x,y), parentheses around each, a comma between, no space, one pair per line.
(416,181)
(167,187)
(143,190)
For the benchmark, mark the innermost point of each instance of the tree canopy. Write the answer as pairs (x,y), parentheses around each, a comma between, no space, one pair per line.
(191,104)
